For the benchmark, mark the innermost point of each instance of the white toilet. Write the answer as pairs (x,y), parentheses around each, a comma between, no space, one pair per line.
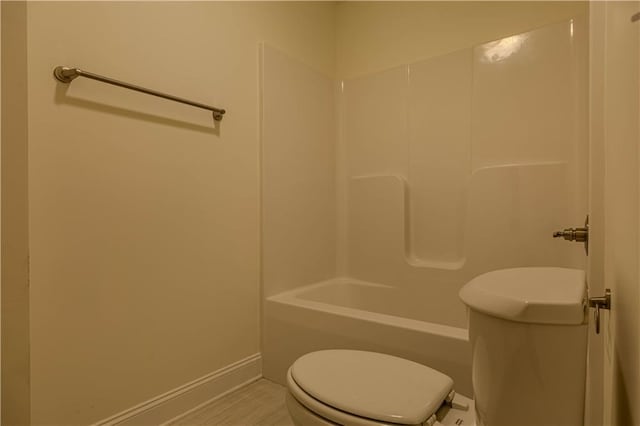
(528,335)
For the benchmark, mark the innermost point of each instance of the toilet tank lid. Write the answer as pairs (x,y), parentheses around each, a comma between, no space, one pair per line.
(372,385)
(541,295)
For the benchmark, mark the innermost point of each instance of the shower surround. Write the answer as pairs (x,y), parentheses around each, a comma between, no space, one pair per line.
(414,180)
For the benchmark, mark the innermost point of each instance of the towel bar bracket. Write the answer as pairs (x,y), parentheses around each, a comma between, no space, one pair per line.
(65,74)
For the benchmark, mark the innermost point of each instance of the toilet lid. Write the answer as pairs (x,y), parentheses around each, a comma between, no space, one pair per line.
(537,295)
(372,385)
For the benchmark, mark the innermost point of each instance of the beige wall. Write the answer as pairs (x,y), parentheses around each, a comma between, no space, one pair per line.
(373,36)
(15,280)
(144,221)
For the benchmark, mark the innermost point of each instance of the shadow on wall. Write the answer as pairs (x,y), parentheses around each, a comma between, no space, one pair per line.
(61,97)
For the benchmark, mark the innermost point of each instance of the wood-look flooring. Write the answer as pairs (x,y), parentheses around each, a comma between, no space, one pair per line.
(259,404)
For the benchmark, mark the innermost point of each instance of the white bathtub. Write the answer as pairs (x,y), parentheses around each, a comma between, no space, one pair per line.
(346,313)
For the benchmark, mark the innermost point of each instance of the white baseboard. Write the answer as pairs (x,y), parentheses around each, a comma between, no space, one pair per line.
(190,396)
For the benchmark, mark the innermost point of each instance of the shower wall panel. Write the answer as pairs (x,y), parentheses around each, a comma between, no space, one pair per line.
(298,174)
(523,98)
(476,163)
(375,123)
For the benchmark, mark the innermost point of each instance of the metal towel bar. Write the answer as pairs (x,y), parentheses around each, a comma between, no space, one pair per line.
(67,74)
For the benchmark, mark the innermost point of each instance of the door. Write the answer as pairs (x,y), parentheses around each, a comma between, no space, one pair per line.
(614,370)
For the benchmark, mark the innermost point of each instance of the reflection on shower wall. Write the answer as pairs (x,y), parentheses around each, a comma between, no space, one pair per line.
(467,162)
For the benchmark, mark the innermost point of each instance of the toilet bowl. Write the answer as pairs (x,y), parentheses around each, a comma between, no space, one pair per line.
(528,335)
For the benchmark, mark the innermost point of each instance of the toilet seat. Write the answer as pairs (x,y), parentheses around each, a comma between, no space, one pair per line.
(367,388)
(315,413)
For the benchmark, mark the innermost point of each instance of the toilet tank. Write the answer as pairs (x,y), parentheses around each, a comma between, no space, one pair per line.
(528,333)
